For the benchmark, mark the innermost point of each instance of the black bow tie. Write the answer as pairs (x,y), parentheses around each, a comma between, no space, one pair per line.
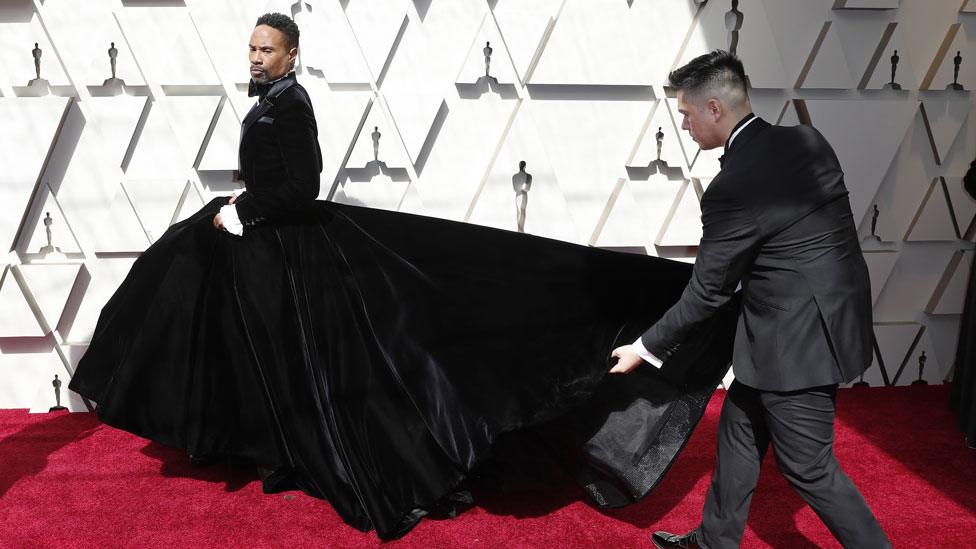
(721,161)
(253,88)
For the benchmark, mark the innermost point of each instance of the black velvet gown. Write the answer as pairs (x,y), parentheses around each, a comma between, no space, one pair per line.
(372,358)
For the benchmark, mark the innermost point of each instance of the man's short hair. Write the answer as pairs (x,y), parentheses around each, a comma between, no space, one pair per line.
(283,23)
(719,71)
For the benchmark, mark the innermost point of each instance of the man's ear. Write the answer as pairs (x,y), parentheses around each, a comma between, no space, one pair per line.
(714,109)
(292,55)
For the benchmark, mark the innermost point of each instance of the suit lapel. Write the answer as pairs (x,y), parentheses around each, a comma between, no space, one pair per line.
(263,107)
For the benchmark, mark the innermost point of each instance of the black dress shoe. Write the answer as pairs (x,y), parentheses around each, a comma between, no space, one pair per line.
(661,540)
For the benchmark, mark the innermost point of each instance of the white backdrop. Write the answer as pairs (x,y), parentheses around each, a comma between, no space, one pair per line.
(577,94)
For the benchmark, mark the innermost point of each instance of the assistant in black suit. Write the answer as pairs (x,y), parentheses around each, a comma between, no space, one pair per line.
(777,220)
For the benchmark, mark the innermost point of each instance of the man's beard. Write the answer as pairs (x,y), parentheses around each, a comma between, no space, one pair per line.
(260,79)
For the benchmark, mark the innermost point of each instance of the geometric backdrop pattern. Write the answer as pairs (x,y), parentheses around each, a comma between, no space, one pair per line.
(121,117)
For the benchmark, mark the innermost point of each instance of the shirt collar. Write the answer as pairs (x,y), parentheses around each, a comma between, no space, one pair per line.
(746,120)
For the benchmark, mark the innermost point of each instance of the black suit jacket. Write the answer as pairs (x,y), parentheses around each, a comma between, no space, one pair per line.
(280,159)
(777,218)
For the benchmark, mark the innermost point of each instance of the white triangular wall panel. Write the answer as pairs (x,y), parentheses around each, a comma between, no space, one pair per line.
(524,27)
(588,143)
(880,264)
(865,134)
(119,229)
(376,25)
(657,198)
(220,151)
(963,205)
(75,26)
(756,47)
(500,61)
(190,117)
(389,146)
(963,44)
(17,41)
(913,280)
(903,187)
(894,340)
(606,42)
(683,227)
(860,34)
(925,25)
(907,75)
(768,107)
(50,286)
(18,319)
(62,237)
(944,118)
(796,27)
(950,294)
(627,222)
(943,332)
(829,68)
(933,221)
(546,211)
(24,373)
(671,144)
(414,115)
(156,202)
(412,203)
(106,275)
(339,115)
(152,30)
(328,43)
(116,119)
(475,126)
(190,203)
(431,50)
(157,150)
(30,128)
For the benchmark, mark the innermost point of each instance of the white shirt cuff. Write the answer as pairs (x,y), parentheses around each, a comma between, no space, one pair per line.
(228,214)
(638,347)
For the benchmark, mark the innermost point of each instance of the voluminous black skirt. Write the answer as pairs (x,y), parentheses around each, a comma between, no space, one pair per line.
(372,358)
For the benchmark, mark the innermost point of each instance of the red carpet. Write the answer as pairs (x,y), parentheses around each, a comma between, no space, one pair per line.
(68,481)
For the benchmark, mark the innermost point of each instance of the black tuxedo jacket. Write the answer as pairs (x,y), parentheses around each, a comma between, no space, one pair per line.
(777,218)
(279,153)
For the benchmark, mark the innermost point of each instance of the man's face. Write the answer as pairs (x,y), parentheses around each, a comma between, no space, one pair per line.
(700,120)
(271,58)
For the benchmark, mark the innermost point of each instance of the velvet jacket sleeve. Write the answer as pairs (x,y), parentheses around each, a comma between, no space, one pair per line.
(730,241)
(296,137)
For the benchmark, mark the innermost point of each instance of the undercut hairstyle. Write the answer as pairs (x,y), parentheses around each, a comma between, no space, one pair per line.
(717,74)
(283,23)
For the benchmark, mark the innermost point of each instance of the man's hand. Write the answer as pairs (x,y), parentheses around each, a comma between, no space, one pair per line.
(233,198)
(218,223)
(627,360)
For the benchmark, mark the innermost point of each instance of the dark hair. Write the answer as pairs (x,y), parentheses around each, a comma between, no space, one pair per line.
(718,66)
(282,23)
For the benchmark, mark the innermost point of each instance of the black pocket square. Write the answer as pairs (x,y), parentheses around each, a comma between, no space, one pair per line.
(266,120)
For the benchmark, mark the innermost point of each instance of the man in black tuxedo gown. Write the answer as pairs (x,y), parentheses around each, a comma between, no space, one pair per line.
(280,160)
(777,221)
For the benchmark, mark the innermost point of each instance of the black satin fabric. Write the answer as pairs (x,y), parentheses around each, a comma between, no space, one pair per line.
(963,395)
(372,358)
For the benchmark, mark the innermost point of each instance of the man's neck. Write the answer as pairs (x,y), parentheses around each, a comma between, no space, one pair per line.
(740,122)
